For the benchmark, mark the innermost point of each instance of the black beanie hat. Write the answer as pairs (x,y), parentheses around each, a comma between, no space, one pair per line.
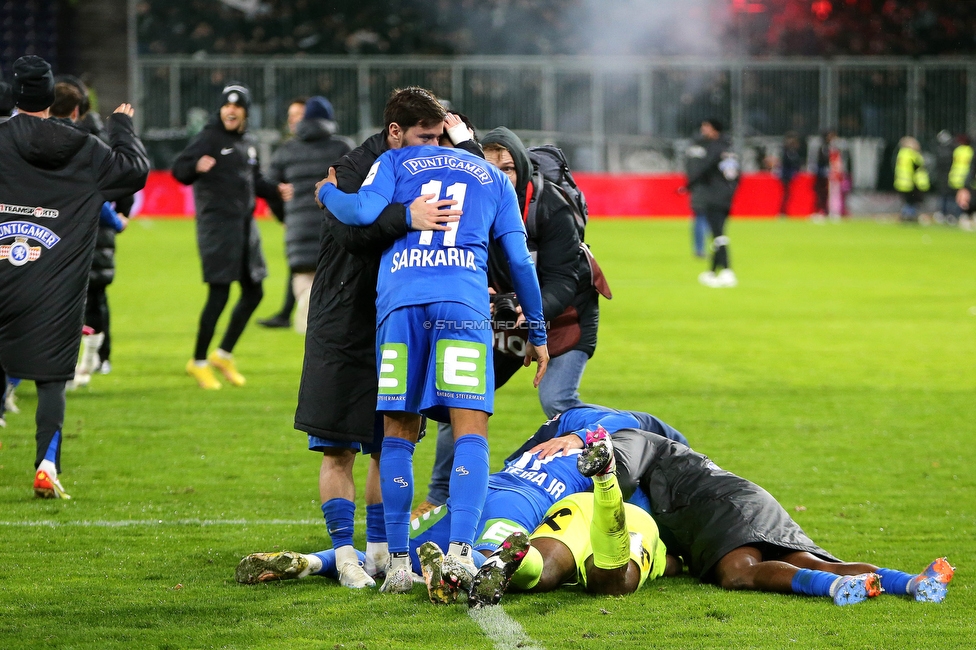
(236,93)
(33,86)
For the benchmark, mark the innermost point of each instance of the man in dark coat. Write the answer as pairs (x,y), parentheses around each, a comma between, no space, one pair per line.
(337,397)
(300,163)
(53,181)
(713,175)
(222,165)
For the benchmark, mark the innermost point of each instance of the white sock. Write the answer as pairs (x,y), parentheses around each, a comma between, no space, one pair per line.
(379,551)
(200,364)
(223,354)
(314,565)
(460,549)
(398,560)
(48,467)
(346,555)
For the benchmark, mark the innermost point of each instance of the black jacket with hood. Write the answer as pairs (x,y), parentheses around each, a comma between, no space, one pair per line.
(53,181)
(337,396)
(227,236)
(713,174)
(303,161)
(564,273)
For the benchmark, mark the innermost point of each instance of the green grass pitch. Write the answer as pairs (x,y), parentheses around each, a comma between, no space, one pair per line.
(838,375)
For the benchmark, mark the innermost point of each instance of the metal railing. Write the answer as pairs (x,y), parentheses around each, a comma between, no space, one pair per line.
(609,113)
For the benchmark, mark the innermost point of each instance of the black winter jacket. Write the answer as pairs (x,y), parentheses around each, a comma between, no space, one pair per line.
(713,174)
(227,237)
(564,273)
(303,161)
(337,396)
(62,176)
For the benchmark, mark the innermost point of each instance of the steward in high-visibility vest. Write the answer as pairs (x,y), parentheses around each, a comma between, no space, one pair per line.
(910,172)
(962,158)
(911,177)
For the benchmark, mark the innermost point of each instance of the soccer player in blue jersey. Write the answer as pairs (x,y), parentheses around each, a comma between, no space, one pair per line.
(434,333)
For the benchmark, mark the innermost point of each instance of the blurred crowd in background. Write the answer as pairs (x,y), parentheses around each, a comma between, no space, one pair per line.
(744,27)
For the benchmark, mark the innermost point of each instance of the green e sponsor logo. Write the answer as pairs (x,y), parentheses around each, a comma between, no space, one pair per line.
(461,366)
(496,530)
(393,369)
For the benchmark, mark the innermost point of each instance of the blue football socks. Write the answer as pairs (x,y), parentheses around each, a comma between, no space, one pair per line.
(52,449)
(810,582)
(329,569)
(375,523)
(396,484)
(896,582)
(469,487)
(339,518)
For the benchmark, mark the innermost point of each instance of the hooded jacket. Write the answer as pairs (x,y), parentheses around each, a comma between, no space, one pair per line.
(337,396)
(303,161)
(564,273)
(713,174)
(53,181)
(227,237)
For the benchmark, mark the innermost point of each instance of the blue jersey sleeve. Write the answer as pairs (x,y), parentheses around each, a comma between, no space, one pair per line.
(109,218)
(526,283)
(365,206)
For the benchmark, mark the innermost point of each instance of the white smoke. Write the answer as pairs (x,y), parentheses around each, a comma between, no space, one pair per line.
(651,27)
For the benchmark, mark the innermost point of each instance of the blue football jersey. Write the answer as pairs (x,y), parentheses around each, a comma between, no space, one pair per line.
(543,481)
(452,265)
(585,417)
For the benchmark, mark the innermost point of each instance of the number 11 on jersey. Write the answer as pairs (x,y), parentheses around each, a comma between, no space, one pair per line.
(456,192)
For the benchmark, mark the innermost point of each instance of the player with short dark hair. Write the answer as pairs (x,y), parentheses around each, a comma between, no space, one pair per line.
(337,395)
(434,337)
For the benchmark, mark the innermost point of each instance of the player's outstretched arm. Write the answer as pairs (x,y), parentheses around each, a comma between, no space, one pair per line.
(359,209)
(530,298)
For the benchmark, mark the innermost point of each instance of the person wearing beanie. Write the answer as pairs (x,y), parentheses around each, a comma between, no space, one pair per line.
(299,164)
(53,181)
(221,163)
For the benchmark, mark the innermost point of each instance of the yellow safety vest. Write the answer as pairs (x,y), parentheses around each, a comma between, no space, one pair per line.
(910,171)
(962,157)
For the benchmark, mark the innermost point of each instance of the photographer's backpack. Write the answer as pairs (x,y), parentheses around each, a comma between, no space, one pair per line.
(549,162)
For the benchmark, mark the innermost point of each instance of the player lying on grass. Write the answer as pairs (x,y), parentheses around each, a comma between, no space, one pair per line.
(733,533)
(593,539)
(519,497)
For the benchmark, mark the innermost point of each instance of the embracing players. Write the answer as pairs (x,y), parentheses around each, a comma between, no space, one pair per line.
(434,330)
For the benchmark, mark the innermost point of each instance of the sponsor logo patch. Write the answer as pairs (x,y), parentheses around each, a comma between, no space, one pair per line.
(20,252)
(28,211)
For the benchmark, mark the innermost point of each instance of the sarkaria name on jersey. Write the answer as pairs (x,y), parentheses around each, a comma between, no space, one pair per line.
(433,257)
(417,165)
(20,252)
(28,211)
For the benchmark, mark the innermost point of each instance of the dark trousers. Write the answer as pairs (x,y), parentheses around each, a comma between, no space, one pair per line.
(720,248)
(251,295)
(97,316)
(49,419)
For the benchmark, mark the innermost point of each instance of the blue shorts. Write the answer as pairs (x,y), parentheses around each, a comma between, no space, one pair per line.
(316,443)
(431,358)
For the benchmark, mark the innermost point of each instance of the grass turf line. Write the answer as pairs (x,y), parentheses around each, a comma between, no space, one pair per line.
(837,375)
